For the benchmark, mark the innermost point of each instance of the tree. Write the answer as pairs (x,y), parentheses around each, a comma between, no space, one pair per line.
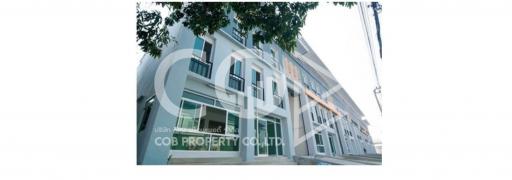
(346,4)
(278,22)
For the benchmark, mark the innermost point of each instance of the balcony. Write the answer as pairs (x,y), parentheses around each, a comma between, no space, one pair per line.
(278,101)
(200,67)
(238,36)
(236,82)
(258,51)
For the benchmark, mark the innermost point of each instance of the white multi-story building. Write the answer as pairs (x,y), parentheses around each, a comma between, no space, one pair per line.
(224,97)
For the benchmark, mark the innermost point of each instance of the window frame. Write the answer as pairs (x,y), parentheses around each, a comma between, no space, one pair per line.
(232,73)
(205,40)
(318,114)
(324,115)
(275,91)
(233,64)
(273,54)
(319,142)
(179,129)
(259,85)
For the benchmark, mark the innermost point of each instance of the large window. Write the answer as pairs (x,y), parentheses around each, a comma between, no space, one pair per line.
(189,116)
(312,109)
(202,49)
(268,135)
(278,100)
(201,59)
(213,120)
(205,128)
(324,115)
(320,147)
(257,85)
(318,114)
(236,80)
(233,122)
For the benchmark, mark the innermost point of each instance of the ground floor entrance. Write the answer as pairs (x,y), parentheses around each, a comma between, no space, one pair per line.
(269,140)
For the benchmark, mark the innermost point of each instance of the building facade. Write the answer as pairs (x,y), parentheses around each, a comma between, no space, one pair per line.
(224,96)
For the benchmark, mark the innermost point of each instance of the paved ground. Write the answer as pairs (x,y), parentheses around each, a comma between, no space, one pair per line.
(343,160)
(281,160)
(372,159)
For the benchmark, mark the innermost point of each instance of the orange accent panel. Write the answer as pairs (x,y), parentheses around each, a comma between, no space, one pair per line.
(326,104)
(291,70)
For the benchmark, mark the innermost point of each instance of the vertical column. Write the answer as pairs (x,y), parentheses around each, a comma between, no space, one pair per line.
(308,123)
(337,138)
(247,134)
(289,147)
(327,144)
(351,141)
(339,143)
(157,147)
(341,135)
(268,77)
(357,140)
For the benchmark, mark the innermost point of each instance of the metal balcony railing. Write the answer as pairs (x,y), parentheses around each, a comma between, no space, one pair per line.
(200,67)
(236,82)
(238,36)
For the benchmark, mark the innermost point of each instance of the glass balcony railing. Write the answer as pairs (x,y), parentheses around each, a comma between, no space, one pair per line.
(200,67)
(236,82)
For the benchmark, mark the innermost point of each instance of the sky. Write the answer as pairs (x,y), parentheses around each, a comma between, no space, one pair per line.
(336,35)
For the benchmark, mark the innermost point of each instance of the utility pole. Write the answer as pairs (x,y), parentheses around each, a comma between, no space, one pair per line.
(376,9)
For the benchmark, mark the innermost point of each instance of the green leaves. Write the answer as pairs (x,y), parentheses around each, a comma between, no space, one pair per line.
(278,22)
(268,22)
(206,17)
(345,4)
(151,35)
